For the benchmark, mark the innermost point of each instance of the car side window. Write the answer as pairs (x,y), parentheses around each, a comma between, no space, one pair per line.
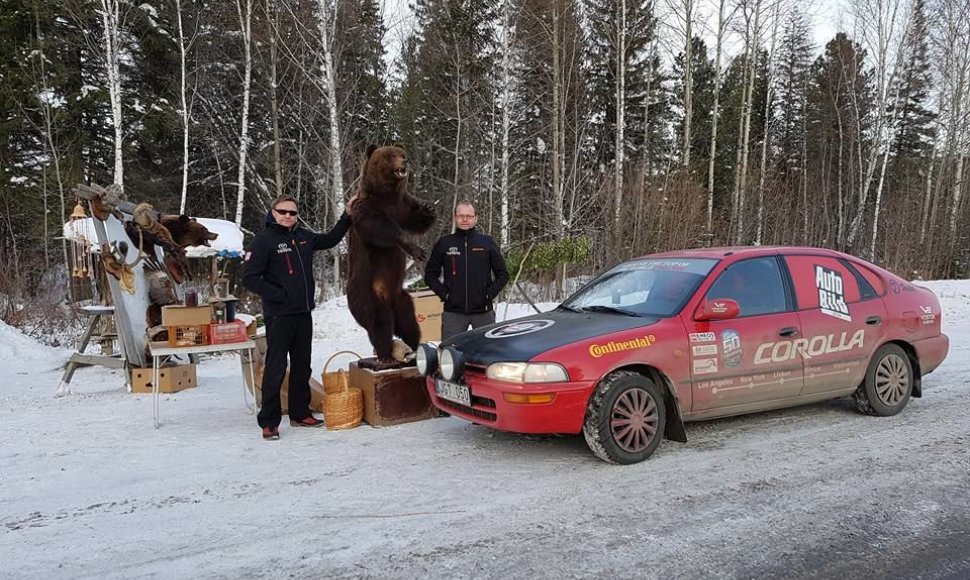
(755,284)
(825,283)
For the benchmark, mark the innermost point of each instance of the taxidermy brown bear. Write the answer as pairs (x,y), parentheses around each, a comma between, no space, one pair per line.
(384,214)
(187,231)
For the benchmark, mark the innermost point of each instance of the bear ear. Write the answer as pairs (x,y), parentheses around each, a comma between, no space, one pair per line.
(183,219)
(370,150)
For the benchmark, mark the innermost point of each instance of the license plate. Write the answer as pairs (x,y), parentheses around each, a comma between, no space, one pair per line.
(453,392)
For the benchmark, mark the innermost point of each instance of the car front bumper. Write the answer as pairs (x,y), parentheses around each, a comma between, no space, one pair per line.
(565,414)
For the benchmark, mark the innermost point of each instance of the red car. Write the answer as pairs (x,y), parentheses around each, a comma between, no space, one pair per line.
(696,334)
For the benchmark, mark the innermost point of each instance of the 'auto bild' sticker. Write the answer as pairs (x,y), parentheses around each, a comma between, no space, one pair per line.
(831,293)
(519,328)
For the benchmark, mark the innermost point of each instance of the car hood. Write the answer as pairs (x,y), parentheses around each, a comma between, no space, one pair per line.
(524,338)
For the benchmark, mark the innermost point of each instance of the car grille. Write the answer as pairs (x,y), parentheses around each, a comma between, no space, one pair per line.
(480,401)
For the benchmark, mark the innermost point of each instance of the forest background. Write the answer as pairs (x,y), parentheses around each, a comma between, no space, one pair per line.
(587,131)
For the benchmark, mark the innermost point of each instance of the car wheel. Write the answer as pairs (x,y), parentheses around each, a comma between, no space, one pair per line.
(888,383)
(625,418)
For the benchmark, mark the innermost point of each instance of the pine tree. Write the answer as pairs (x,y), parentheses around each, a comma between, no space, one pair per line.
(702,79)
(915,132)
(447,91)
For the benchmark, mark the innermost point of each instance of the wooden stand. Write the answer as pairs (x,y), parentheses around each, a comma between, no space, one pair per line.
(393,396)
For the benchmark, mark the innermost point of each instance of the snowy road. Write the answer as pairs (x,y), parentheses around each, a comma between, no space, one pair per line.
(90,490)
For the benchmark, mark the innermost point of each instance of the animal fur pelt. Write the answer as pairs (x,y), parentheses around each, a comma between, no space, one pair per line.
(104,200)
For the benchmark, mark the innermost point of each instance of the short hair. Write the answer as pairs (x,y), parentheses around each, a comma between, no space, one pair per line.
(283,198)
(468,203)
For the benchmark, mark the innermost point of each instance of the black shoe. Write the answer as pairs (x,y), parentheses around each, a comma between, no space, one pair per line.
(271,433)
(310,421)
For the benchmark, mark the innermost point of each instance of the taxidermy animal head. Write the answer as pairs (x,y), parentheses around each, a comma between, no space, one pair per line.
(113,260)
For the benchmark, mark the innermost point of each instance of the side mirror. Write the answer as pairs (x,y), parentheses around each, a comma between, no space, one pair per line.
(717,309)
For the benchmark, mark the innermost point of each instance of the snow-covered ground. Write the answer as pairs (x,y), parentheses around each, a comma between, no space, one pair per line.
(88,488)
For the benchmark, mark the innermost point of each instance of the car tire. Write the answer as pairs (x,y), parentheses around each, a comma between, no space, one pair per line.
(888,383)
(625,418)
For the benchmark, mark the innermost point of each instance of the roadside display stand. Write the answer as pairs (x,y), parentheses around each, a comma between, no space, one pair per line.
(147,276)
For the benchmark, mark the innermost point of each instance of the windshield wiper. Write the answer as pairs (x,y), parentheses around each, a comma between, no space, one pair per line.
(610,309)
(570,308)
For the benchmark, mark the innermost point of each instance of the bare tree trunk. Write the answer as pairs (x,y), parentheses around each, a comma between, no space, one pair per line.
(767,133)
(747,109)
(620,107)
(506,100)
(879,24)
(558,139)
(689,8)
(958,179)
(244,9)
(722,24)
(272,16)
(111,19)
(184,105)
(48,114)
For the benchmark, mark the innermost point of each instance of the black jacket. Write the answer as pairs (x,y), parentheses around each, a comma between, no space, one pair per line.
(467,271)
(279,265)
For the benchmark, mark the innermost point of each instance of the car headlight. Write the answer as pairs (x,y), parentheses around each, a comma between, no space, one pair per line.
(520,372)
(426,358)
(452,363)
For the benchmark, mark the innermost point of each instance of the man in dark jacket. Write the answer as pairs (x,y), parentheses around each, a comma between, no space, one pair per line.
(279,267)
(466,270)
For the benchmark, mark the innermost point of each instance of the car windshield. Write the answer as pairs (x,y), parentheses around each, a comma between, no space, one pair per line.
(648,287)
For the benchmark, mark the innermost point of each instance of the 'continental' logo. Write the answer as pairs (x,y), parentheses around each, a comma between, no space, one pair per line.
(598,350)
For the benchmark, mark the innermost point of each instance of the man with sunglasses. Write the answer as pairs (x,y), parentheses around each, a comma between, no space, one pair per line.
(279,267)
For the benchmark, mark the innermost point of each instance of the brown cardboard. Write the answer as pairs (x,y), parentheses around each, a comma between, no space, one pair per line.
(316,393)
(176,315)
(170,379)
(427,311)
(393,396)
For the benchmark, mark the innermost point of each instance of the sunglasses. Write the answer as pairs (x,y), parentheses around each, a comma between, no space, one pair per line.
(291,212)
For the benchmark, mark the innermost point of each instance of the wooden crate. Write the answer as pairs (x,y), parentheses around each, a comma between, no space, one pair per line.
(393,396)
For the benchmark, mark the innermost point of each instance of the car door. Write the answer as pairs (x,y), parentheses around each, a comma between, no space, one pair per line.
(842,319)
(737,362)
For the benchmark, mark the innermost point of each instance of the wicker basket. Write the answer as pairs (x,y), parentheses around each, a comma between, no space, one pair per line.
(343,406)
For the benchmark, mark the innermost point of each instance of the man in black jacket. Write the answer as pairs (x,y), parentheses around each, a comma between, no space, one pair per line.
(279,267)
(466,270)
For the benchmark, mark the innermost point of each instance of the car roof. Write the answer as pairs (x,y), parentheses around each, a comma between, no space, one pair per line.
(737,252)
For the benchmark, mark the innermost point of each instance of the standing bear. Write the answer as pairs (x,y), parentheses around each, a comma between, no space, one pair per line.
(383,214)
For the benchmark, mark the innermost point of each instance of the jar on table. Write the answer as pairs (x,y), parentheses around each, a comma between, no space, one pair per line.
(191,297)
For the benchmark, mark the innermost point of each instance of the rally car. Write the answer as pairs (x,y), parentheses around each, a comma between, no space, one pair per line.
(696,334)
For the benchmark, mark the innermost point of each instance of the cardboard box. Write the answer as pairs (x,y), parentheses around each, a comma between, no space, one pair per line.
(393,396)
(170,379)
(316,393)
(427,310)
(177,315)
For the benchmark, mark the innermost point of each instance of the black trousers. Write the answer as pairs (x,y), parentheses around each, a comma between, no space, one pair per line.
(286,335)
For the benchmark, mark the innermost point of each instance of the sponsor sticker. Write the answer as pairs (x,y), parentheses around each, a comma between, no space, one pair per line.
(598,350)
(705,366)
(927,316)
(519,328)
(831,293)
(705,350)
(702,337)
(731,345)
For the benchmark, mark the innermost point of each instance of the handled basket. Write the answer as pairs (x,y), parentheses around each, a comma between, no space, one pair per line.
(343,405)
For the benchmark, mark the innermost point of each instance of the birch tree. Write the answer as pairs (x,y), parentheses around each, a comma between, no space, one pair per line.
(112,16)
(244,9)
(881,24)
